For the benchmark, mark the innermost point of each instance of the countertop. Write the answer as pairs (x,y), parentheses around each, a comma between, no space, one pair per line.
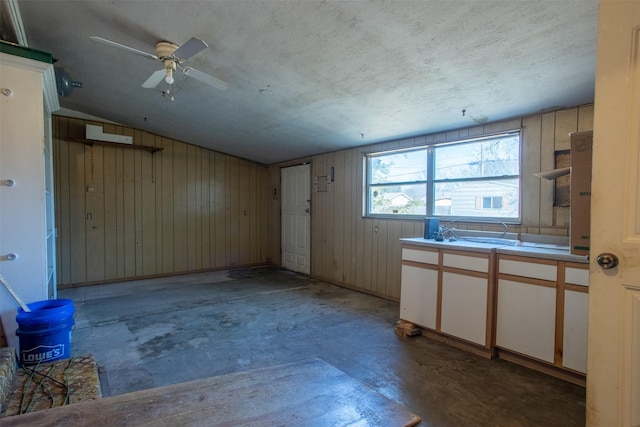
(528,251)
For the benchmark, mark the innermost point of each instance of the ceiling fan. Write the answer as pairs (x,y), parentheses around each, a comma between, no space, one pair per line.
(172,56)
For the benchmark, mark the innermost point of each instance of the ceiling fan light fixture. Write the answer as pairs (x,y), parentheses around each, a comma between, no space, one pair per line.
(169,78)
(169,66)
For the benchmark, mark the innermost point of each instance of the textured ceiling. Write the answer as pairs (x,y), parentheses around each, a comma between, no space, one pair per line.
(341,73)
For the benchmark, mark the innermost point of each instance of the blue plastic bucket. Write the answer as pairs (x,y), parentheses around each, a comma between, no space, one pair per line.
(45,332)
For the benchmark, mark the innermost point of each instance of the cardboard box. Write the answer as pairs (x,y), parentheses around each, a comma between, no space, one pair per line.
(581,154)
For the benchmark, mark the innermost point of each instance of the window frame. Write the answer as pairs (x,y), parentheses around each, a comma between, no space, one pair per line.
(431,182)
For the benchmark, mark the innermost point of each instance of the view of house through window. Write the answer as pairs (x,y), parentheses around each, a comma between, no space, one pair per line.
(478,178)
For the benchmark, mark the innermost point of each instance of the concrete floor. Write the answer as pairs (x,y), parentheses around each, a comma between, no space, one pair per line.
(150,333)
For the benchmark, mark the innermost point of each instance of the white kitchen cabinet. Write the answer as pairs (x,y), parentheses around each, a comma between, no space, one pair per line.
(542,310)
(49,210)
(419,296)
(525,305)
(526,316)
(575,315)
(465,295)
(576,275)
(449,292)
(422,256)
(574,349)
(528,268)
(464,307)
(27,231)
(419,286)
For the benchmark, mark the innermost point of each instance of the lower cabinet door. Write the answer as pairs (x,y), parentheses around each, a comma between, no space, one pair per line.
(419,296)
(574,347)
(526,319)
(464,307)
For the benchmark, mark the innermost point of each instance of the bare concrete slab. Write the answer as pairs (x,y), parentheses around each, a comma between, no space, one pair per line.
(151,333)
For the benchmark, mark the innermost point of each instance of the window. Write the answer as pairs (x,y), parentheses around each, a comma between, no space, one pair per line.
(398,182)
(478,178)
(490,202)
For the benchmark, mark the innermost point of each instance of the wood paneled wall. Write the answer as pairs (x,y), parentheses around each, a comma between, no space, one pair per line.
(123,213)
(364,253)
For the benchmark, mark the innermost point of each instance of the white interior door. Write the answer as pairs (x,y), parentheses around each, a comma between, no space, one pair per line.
(613,361)
(296,218)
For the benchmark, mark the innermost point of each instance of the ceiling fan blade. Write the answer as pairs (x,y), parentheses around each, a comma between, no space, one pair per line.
(190,48)
(205,78)
(123,47)
(154,79)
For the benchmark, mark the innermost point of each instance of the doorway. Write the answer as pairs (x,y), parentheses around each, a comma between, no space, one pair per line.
(296,218)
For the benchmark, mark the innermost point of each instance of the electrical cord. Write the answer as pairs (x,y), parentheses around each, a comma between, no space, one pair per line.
(35,389)
(32,371)
(25,387)
(66,380)
(42,385)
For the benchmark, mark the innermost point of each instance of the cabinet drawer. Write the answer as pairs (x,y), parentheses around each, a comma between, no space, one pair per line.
(417,255)
(576,276)
(466,262)
(529,269)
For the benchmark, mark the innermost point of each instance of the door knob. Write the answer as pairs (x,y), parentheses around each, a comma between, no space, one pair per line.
(307,210)
(607,260)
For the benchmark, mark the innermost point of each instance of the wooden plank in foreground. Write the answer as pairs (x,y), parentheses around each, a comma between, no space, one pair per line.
(309,393)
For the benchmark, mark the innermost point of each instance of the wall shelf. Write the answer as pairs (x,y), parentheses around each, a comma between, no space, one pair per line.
(93,142)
